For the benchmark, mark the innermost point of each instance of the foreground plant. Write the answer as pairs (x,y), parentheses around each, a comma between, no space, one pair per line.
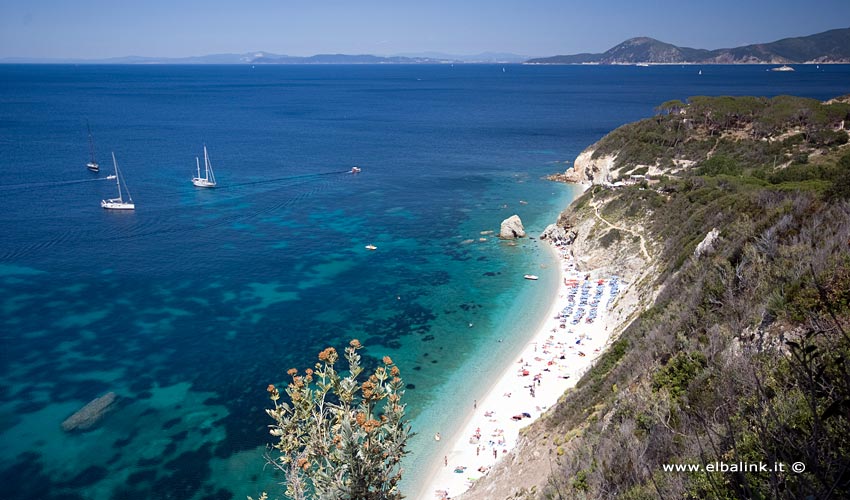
(339,437)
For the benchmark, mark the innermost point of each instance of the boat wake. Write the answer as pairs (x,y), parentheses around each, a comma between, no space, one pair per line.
(282,179)
(28,185)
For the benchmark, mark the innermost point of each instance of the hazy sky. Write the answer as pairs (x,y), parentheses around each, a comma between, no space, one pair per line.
(176,28)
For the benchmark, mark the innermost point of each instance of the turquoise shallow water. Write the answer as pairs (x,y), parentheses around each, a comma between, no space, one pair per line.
(190,306)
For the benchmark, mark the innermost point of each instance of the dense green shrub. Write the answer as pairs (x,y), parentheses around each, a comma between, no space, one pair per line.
(677,374)
(719,164)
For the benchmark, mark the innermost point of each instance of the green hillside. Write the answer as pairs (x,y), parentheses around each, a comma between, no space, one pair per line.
(829,46)
(742,355)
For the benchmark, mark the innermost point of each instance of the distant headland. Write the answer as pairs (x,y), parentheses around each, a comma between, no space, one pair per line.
(831,46)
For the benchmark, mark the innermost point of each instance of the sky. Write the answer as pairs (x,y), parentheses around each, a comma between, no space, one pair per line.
(94,29)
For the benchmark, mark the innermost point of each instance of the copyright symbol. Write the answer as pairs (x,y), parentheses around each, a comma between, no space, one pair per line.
(798,467)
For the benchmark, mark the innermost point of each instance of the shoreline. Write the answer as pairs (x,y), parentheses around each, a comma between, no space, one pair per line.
(552,361)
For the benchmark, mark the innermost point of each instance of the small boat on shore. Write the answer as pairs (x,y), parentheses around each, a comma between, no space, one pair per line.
(531,277)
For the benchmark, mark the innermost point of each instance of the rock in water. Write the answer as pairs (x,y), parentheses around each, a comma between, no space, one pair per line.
(512,228)
(90,414)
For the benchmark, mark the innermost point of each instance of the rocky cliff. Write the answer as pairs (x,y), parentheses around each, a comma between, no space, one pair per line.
(588,170)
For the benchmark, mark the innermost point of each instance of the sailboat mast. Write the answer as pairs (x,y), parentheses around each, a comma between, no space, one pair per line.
(129,196)
(199,166)
(117,179)
(91,142)
(206,164)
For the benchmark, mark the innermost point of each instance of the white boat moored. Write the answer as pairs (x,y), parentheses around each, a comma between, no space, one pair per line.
(208,180)
(118,203)
(92,164)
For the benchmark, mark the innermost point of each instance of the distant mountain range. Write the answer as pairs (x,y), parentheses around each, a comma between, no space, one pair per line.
(828,47)
(269,58)
(482,58)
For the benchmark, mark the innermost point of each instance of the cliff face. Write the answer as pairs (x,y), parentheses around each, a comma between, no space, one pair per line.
(588,170)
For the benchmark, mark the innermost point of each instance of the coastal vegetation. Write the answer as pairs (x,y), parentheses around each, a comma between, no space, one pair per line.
(740,356)
(338,437)
(743,135)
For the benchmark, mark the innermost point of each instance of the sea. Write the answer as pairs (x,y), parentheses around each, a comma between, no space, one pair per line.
(189,306)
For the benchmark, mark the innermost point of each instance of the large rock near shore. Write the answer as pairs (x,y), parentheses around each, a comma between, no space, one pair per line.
(558,234)
(512,228)
(89,415)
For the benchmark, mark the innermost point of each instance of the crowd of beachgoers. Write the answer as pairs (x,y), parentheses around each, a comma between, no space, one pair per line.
(566,344)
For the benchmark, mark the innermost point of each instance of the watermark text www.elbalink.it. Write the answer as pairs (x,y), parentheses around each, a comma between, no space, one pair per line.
(734,467)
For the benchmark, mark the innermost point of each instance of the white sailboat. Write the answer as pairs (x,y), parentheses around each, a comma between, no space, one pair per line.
(208,180)
(91,165)
(118,203)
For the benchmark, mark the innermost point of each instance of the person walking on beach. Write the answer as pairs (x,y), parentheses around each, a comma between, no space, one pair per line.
(446,460)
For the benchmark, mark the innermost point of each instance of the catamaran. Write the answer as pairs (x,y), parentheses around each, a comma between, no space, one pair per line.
(118,203)
(208,180)
(91,165)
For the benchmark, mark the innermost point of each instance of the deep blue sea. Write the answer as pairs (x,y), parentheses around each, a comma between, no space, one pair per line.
(190,306)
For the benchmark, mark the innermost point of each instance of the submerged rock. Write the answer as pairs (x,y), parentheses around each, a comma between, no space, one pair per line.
(89,415)
(512,228)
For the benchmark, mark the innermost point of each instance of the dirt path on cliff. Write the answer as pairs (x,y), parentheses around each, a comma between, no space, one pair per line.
(630,231)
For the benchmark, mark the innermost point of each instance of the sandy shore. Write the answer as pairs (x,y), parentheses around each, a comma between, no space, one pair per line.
(560,352)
